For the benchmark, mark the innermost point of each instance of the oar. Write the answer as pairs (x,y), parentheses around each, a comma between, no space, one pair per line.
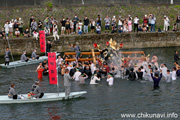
(11,51)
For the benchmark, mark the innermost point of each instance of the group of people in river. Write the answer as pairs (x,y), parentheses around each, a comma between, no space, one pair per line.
(130,69)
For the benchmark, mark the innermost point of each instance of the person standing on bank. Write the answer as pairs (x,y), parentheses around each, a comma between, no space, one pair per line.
(75,20)
(20,26)
(48,47)
(153,22)
(6,27)
(12,93)
(86,23)
(67,83)
(6,56)
(136,23)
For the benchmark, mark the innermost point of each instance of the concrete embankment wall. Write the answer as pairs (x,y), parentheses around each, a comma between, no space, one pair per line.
(130,40)
(13,3)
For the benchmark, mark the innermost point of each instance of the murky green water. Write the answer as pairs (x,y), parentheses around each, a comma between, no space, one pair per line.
(100,103)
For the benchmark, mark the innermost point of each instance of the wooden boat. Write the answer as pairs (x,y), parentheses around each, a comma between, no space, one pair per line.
(30,61)
(4,99)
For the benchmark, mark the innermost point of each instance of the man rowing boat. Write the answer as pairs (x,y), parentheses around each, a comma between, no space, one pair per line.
(12,93)
(24,58)
(34,55)
(36,92)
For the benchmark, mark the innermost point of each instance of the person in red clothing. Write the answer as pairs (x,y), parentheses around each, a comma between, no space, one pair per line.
(107,67)
(145,22)
(40,72)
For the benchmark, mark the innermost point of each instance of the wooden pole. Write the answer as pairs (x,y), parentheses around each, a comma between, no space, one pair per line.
(93,55)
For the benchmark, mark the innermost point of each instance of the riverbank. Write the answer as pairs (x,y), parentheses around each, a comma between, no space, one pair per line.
(86,41)
(92,11)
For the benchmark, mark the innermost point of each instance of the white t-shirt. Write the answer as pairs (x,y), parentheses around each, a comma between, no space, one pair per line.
(93,23)
(166,21)
(6,26)
(55,32)
(164,71)
(80,26)
(76,76)
(173,75)
(16,32)
(69,68)
(98,28)
(59,61)
(35,34)
(93,80)
(136,20)
(119,22)
(110,81)
(11,25)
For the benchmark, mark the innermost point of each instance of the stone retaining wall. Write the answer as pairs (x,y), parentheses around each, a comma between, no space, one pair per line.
(130,40)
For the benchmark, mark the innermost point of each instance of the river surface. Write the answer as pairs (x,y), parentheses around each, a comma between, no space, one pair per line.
(101,101)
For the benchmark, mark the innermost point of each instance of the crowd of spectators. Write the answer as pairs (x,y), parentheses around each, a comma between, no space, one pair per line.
(51,26)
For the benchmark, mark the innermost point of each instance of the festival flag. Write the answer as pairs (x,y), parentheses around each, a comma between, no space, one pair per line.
(52,68)
(42,41)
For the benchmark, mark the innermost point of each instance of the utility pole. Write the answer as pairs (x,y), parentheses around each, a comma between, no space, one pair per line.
(171,1)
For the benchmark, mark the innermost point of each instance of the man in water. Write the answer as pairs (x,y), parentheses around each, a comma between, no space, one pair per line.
(113,72)
(12,93)
(156,79)
(24,58)
(169,76)
(76,75)
(34,56)
(82,78)
(67,83)
(6,56)
(36,92)
(110,80)
(132,75)
(73,70)
(156,71)
(164,70)
(139,74)
(94,79)
(176,64)
(98,73)
(176,56)
(87,71)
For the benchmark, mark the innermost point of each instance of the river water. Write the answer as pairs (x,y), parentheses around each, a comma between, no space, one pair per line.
(101,101)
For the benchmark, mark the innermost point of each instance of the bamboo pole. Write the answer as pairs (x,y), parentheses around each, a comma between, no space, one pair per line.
(94,57)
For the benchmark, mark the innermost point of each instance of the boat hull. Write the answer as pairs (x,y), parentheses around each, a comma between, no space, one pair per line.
(46,98)
(19,63)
